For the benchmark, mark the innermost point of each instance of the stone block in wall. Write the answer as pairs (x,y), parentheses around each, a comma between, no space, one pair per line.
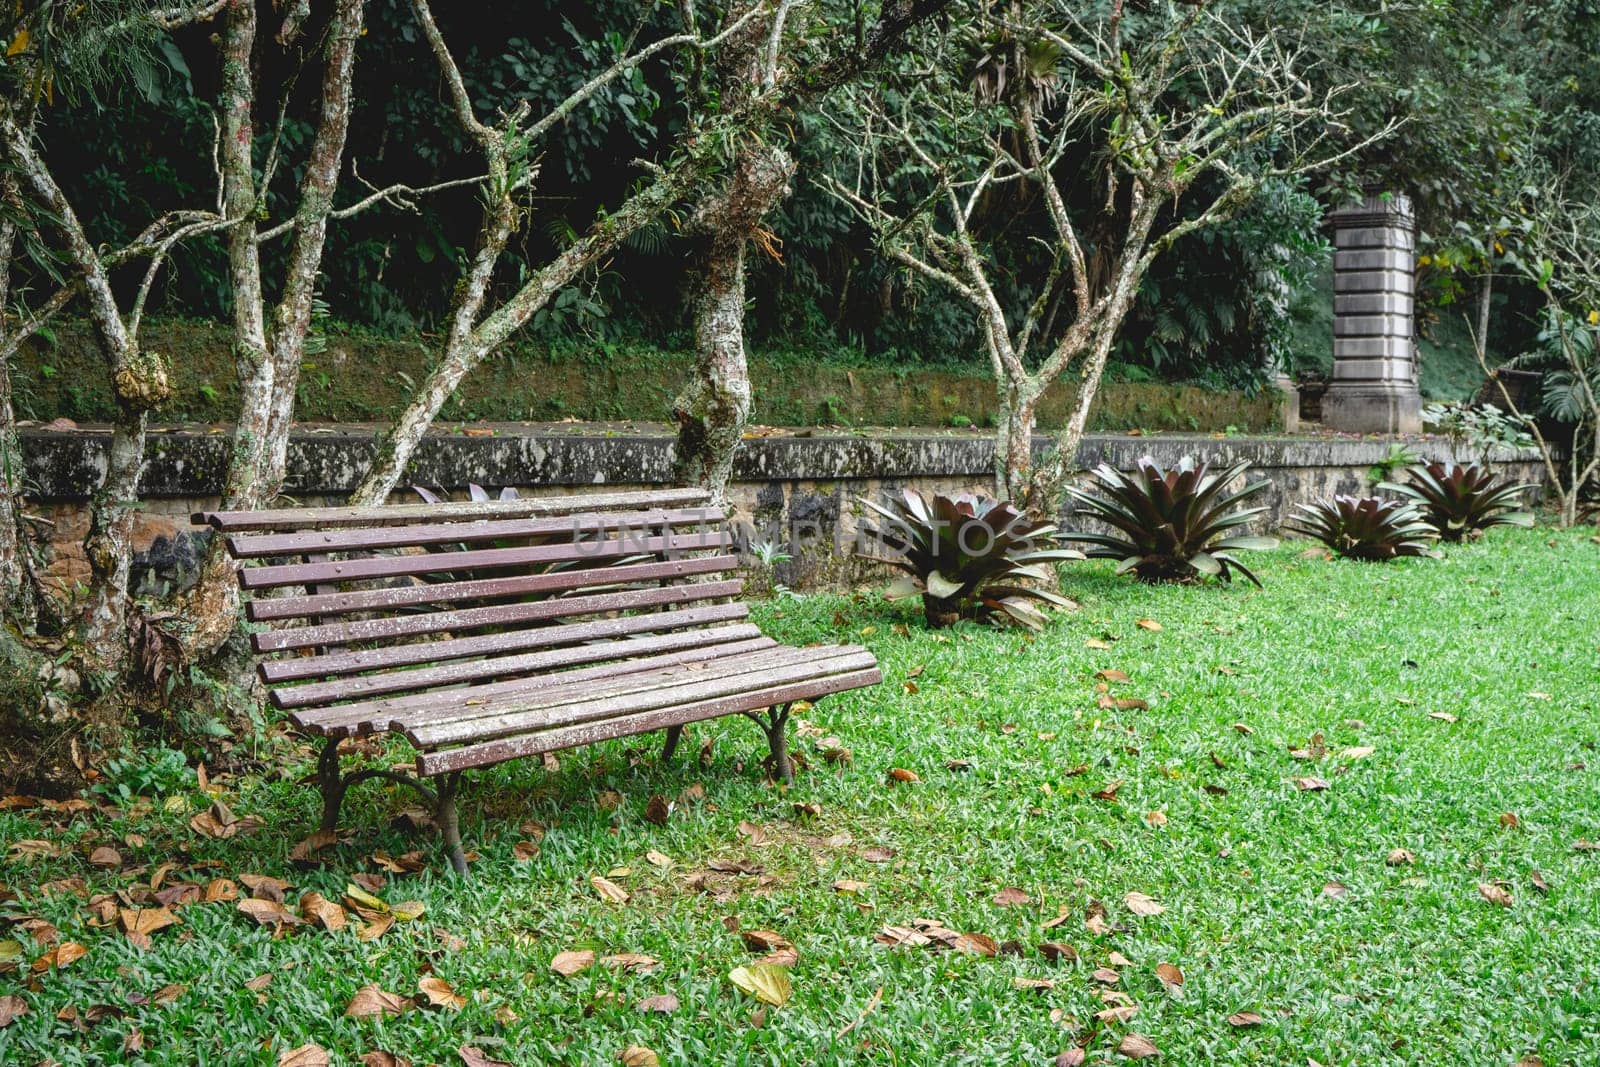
(1374,281)
(1376,303)
(1374,237)
(1348,348)
(1372,259)
(1392,325)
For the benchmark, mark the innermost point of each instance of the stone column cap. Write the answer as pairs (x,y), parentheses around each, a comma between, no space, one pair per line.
(1376,209)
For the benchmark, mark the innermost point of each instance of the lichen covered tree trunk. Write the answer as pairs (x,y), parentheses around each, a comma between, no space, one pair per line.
(713,408)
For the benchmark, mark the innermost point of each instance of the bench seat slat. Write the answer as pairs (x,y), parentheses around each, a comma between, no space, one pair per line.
(481,588)
(468,710)
(464,510)
(722,678)
(370,567)
(397,626)
(492,752)
(582,527)
(332,664)
(461,672)
(378,715)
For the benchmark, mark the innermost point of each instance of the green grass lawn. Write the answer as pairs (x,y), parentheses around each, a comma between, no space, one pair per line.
(1451,707)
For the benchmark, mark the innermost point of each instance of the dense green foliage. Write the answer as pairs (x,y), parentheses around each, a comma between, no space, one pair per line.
(1449,707)
(1213,311)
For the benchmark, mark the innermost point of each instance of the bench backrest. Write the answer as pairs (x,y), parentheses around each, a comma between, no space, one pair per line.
(402,600)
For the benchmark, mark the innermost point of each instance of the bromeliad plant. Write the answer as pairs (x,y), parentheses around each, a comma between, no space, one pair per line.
(1172,525)
(968,556)
(1463,501)
(1366,528)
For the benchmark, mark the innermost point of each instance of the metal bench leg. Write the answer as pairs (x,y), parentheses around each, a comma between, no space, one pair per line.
(331,784)
(674,735)
(449,822)
(775,725)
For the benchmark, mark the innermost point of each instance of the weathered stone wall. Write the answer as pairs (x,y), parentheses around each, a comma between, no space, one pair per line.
(796,490)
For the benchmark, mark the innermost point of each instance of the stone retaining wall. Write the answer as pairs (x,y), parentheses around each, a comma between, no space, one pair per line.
(794,490)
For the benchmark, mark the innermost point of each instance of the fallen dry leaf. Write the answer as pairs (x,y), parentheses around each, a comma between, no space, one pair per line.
(1334,889)
(1170,976)
(1400,857)
(1359,752)
(848,885)
(658,810)
(63,955)
(383,1058)
(308,1055)
(371,1000)
(1137,1047)
(1143,905)
(661,1003)
(1037,985)
(1105,976)
(1072,1057)
(1011,896)
(1310,785)
(636,962)
(568,964)
(1495,894)
(268,912)
(900,774)
(1148,624)
(1442,716)
(1243,1020)
(320,911)
(638,1056)
(525,851)
(440,994)
(12,1008)
(105,856)
(977,945)
(1111,674)
(473,1056)
(609,890)
(1057,952)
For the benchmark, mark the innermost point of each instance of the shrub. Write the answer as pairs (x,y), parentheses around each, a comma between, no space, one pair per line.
(1463,501)
(1172,525)
(1366,528)
(967,555)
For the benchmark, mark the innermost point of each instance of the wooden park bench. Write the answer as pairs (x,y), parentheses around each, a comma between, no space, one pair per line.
(485,632)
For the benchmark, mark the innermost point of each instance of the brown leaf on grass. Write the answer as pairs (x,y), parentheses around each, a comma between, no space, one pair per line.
(1121,1013)
(1037,985)
(473,1056)
(12,1008)
(1244,1020)
(1509,820)
(1142,905)
(168,994)
(900,774)
(63,955)
(1583,844)
(1106,976)
(440,994)
(1442,716)
(609,890)
(1072,1057)
(268,912)
(1171,977)
(878,855)
(636,962)
(756,834)
(1310,785)
(608,800)
(1096,643)
(1156,818)
(1117,959)
(1334,889)
(145,921)
(383,1058)
(309,1055)
(1244,729)
(375,928)
(265,887)
(371,1000)
(105,856)
(220,890)
(977,945)
(848,885)
(1148,624)
(661,1003)
(1137,1047)
(764,940)
(1538,882)
(1111,674)
(1011,896)
(408,910)
(1109,792)
(259,982)
(1497,895)
(901,935)
(638,1056)
(1400,857)
(1359,752)
(320,911)
(658,859)
(525,851)
(570,963)
(306,850)
(658,810)
(1058,952)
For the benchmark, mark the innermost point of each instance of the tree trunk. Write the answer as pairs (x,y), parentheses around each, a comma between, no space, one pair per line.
(712,410)
(212,608)
(16,593)
(1013,446)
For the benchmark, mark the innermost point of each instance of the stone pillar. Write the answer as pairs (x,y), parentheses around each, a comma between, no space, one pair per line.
(1374,386)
